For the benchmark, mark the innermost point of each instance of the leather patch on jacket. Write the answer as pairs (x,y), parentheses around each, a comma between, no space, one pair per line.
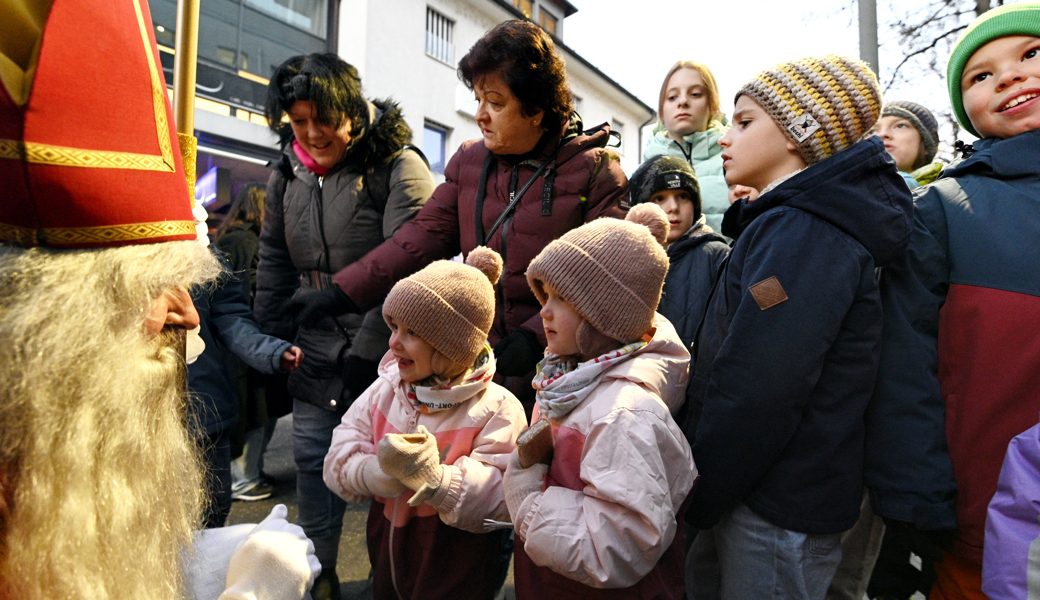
(768,293)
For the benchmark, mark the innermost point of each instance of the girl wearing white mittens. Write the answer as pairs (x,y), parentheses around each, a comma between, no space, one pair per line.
(429,441)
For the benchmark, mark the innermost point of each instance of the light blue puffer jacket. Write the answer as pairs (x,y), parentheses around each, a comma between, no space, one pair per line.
(702,150)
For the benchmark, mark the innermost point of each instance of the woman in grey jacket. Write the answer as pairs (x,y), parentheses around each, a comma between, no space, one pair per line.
(345,183)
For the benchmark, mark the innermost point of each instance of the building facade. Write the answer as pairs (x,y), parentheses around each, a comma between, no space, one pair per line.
(407,50)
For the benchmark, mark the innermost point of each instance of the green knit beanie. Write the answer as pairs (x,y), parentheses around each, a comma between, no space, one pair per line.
(1010,19)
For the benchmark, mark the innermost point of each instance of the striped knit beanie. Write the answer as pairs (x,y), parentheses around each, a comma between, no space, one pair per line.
(1010,19)
(610,270)
(451,306)
(923,121)
(823,104)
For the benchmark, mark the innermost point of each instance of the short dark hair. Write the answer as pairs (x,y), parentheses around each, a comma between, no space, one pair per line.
(524,55)
(327,80)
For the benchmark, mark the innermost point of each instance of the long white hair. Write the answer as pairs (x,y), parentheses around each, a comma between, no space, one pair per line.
(100,486)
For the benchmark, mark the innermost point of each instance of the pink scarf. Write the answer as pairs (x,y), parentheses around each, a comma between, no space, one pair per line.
(307,161)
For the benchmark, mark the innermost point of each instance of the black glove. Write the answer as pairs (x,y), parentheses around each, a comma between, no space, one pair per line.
(308,306)
(894,577)
(518,353)
(358,374)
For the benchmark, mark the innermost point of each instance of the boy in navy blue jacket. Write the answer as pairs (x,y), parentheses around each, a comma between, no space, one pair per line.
(787,354)
(959,364)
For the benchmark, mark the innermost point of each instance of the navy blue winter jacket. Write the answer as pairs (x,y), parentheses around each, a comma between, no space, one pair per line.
(693,263)
(227,325)
(788,351)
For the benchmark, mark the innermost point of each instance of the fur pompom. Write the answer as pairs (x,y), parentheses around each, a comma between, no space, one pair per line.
(651,216)
(489,262)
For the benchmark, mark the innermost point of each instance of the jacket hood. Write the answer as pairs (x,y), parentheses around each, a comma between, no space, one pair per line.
(384,133)
(661,366)
(858,190)
(698,146)
(682,246)
(1008,158)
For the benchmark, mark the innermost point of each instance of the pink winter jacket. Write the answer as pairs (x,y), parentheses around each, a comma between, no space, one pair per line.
(475,436)
(620,474)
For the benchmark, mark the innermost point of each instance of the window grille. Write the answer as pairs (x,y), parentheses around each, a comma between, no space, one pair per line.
(439,37)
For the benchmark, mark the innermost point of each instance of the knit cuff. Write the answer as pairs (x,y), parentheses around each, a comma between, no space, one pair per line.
(447,494)
(433,495)
(527,509)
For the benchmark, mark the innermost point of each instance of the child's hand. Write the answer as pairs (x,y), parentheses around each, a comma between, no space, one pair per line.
(414,460)
(291,358)
(520,484)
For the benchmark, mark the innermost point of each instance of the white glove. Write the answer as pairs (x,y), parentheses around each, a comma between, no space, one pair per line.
(275,562)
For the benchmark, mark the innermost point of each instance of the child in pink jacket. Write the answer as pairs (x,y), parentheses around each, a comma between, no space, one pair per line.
(603,520)
(430,439)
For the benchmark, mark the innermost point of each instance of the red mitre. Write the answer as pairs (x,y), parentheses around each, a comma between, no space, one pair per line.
(88,149)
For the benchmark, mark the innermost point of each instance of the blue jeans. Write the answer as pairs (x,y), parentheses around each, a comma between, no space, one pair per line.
(321,511)
(745,556)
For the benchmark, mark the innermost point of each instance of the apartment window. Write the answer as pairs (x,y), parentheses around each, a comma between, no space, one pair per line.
(439,36)
(619,127)
(435,139)
(547,21)
(578,103)
(525,6)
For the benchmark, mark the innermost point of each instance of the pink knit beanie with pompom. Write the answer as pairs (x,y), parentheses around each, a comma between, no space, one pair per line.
(449,305)
(610,270)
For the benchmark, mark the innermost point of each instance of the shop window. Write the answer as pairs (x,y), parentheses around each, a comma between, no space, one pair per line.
(440,31)
(435,140)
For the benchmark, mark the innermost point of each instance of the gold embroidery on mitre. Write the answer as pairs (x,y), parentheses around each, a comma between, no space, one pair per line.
(116,233)
(13,234)
(48,154)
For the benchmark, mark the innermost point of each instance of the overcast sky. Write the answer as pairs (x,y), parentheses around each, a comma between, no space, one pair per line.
(735,38)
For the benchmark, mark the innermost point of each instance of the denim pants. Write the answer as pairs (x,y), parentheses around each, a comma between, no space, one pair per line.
(745,556)
(321,511)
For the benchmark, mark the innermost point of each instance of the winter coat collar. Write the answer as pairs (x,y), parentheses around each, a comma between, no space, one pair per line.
(699,234)
(858,190)
(697,147)
(1009,158)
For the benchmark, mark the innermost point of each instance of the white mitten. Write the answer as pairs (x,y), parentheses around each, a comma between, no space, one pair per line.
(413,458)
(379,483)
(519,483)
(275,562)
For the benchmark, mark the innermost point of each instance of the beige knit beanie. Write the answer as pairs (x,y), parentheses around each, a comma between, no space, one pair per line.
(449,305)
(612,271)
(823,104)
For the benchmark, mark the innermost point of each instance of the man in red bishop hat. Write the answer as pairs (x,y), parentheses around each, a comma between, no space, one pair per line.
(100,485)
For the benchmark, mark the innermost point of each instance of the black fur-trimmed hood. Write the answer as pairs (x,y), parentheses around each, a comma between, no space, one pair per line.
(384,133)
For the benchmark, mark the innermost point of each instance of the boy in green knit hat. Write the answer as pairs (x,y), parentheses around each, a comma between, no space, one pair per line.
(959,358)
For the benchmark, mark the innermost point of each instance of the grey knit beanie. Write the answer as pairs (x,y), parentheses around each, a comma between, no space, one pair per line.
(923,121)
(450,305)
(664,173)
(823,104)
(610,270)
